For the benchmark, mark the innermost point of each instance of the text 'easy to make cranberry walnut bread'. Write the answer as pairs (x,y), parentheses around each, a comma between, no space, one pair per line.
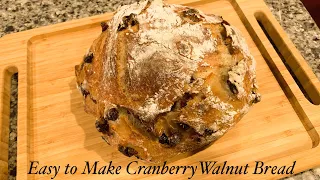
(165,80)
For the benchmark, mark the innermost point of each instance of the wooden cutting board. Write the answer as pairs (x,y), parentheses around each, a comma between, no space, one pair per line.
(54,130)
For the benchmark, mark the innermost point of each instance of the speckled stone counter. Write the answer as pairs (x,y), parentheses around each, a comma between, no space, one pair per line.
(20,15)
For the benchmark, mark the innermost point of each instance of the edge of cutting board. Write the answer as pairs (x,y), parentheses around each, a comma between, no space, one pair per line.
(14,59)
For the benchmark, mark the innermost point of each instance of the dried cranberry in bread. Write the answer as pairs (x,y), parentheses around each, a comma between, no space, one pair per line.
(166,80)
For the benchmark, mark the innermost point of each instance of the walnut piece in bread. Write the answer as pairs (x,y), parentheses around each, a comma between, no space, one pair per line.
(164,80)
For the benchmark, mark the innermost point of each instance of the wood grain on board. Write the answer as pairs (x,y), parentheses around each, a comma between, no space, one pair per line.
(54,130)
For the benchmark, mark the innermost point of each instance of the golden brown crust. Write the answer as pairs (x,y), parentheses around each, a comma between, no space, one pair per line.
(165,80)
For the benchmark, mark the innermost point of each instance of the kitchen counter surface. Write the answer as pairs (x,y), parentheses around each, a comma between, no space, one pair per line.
(20,15)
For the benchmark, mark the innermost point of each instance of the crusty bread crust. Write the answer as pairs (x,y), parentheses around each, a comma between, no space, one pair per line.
(165,80)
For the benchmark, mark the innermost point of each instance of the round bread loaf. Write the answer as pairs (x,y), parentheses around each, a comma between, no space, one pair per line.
(166,80)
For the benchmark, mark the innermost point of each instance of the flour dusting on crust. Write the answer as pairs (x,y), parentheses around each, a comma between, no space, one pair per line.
(236,76)
(164,34)
(109,64)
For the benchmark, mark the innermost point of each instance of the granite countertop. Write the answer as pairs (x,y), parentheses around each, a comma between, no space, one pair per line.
(20,15)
